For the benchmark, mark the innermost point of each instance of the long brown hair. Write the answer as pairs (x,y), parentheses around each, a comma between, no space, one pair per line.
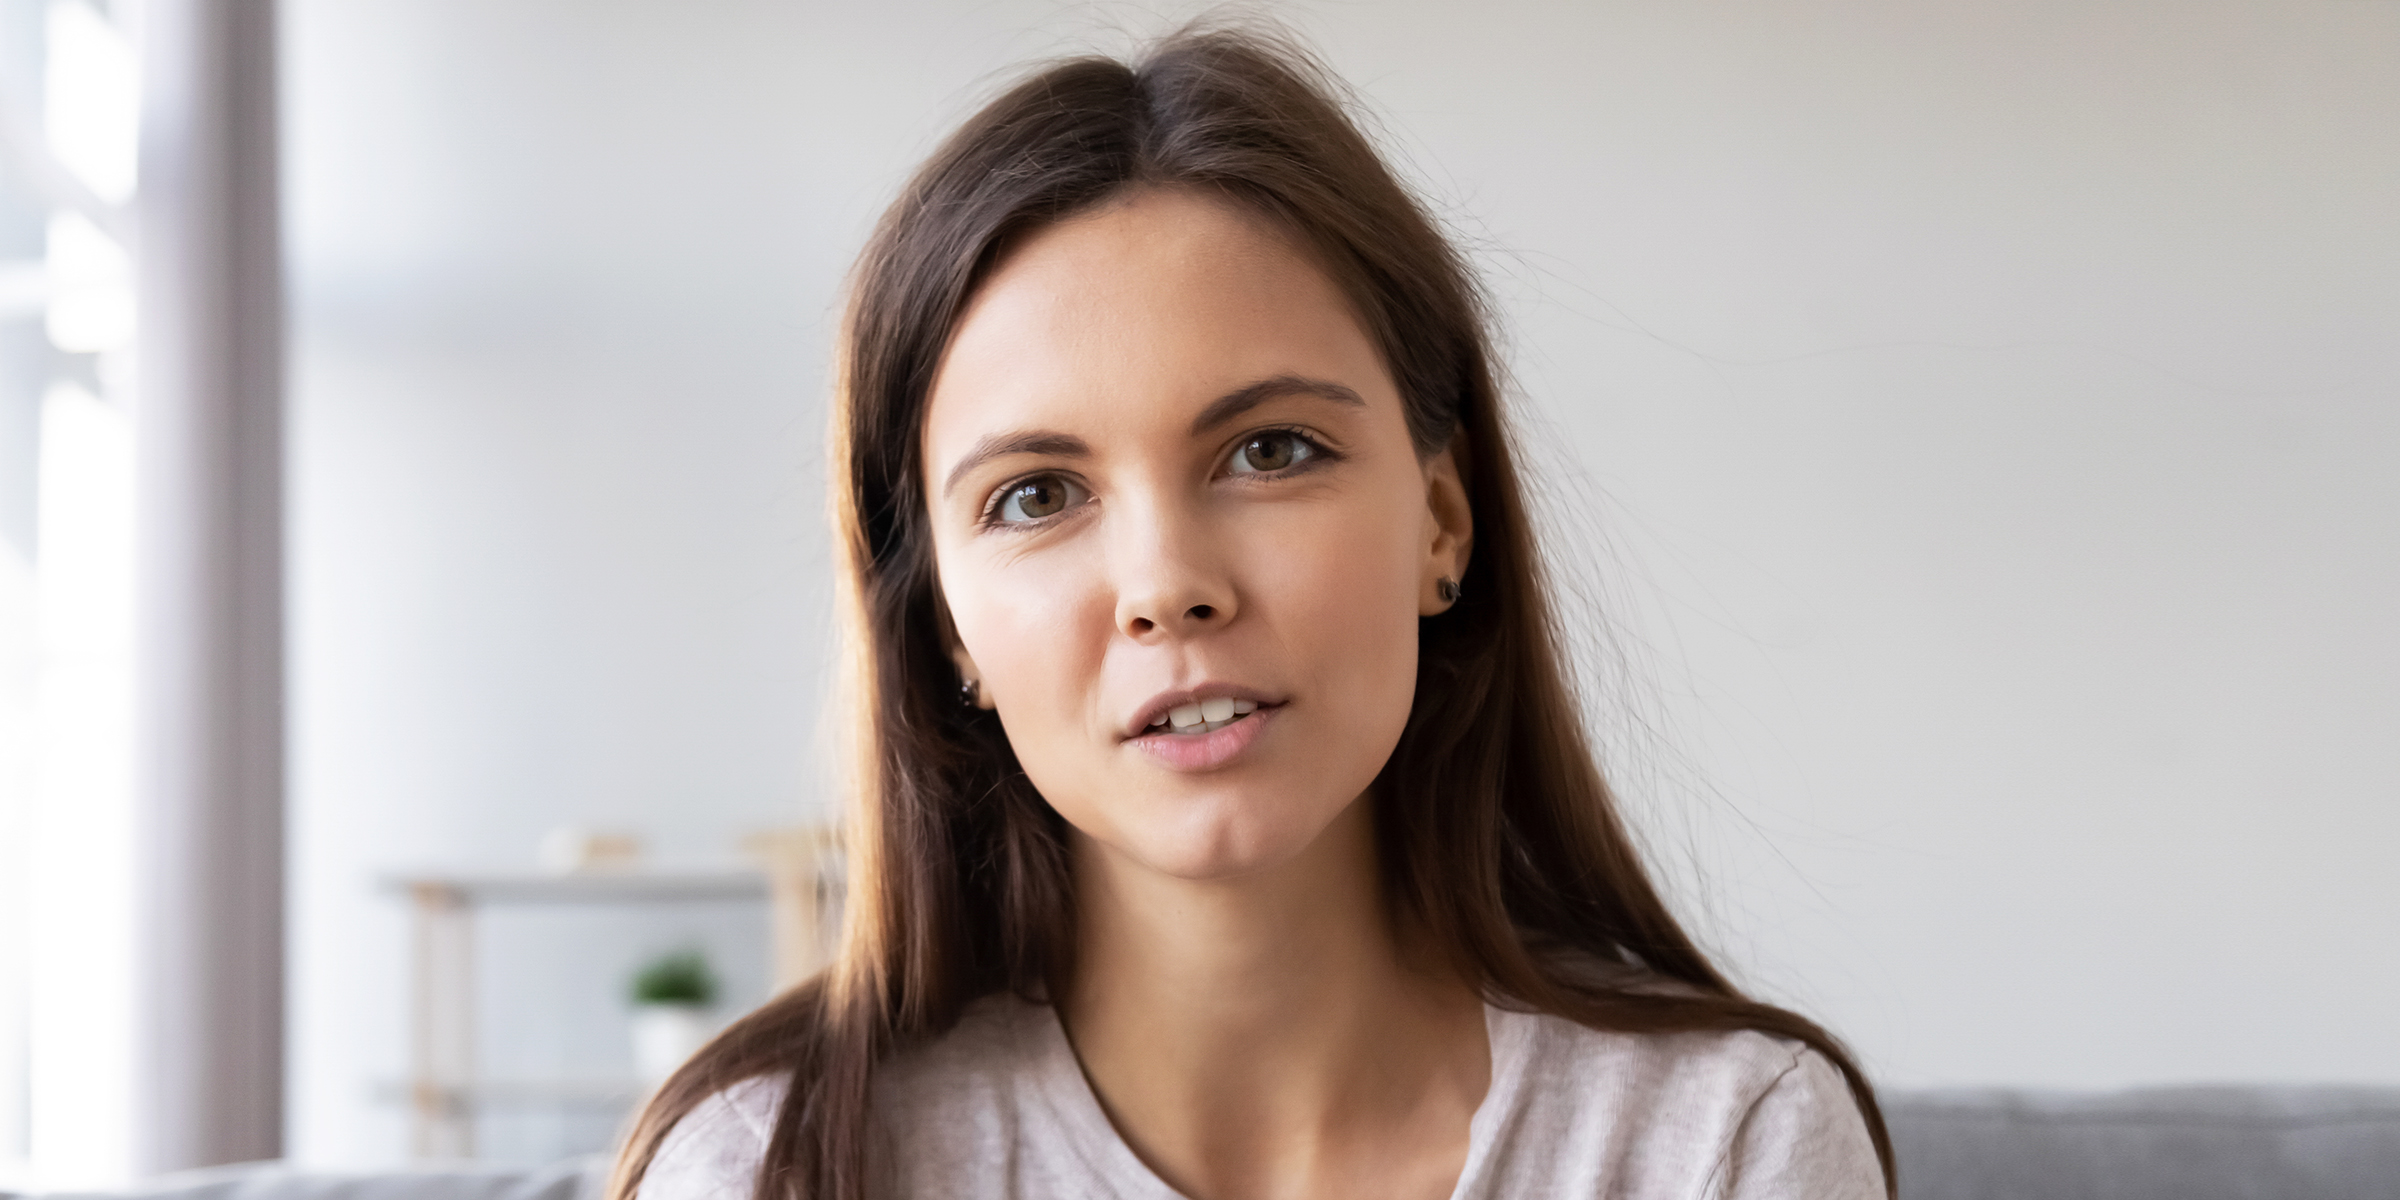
(1498,839)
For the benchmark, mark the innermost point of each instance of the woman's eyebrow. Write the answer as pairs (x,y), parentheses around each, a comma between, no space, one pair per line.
(1241,400)
(1000,445)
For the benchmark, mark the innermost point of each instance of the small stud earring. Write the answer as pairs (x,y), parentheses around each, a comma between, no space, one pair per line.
(1447,589)
(970,691)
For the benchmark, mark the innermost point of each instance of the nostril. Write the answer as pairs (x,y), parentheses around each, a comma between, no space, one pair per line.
(1202,612)
(1142,625)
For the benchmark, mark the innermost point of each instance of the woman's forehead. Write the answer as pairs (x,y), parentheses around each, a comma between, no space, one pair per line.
(1143,309)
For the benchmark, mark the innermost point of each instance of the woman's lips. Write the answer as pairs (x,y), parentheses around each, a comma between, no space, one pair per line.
(1206,751)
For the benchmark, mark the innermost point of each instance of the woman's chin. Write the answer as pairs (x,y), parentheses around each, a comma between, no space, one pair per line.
(1222,838)
(1218,863)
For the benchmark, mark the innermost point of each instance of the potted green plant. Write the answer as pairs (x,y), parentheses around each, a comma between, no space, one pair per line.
(673,996)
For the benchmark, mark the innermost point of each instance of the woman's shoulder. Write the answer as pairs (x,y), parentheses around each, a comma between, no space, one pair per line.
(994,1105)
(1713,1113)
(1720,1067)
(959,1090)
(715,1150)
(994,1039)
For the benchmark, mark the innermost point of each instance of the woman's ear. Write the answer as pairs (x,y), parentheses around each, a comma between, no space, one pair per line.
(1449,530)
(970,678)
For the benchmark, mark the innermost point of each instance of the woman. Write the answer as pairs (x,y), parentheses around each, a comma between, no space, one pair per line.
(1226,827)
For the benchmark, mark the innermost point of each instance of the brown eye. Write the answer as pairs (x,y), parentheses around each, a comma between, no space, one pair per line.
(1035,499)
(1270,451)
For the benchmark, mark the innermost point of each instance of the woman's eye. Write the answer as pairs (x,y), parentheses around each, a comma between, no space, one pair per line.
(1273,450)
(1033,500)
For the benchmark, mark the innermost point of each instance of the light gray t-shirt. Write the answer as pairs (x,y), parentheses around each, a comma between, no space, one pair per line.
(998,1109)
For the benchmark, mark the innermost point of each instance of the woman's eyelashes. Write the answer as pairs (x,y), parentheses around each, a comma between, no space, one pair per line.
(1275,452)
(1035,499)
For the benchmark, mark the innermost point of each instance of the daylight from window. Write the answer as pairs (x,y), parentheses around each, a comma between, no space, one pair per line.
(69,107)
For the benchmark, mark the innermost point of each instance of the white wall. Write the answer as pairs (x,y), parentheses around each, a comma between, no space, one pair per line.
(1978,418)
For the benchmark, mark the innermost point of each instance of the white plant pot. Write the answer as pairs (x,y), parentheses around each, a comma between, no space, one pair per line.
(665,1035)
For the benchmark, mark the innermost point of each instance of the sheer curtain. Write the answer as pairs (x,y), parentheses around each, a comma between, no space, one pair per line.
(141,663)
(210,591)
(208,723)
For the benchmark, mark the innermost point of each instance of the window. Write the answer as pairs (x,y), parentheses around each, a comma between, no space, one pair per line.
(69,108)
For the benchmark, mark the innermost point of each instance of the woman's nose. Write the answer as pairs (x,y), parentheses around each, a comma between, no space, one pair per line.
(1170,577)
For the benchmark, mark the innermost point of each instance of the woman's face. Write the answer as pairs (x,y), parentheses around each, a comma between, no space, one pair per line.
(1183,532)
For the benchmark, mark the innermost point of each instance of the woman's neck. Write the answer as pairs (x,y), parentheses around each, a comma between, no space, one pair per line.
(1267,1036)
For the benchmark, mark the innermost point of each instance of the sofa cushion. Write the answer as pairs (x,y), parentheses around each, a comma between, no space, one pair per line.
(574,1179)
(2195,1143)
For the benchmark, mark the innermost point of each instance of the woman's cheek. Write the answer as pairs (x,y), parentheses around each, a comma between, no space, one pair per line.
(1350,601)
(1038,636)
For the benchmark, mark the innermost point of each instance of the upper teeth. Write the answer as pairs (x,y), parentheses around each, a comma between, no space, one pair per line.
(1206,714)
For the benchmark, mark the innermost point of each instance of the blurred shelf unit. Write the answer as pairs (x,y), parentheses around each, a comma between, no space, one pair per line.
(583,887)
(486,1095)
(799,881)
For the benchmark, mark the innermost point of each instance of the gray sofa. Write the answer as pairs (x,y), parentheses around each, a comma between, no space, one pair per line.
(575,1179)
(2201,1143)
(2166,1144)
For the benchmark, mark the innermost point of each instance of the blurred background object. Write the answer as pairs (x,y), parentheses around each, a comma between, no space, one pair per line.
(141,926)
(1966,429)
(464,1088)
(806,875)
(569,849)
(673,998)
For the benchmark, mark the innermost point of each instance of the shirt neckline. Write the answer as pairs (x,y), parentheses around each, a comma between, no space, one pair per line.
(1058,1080)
